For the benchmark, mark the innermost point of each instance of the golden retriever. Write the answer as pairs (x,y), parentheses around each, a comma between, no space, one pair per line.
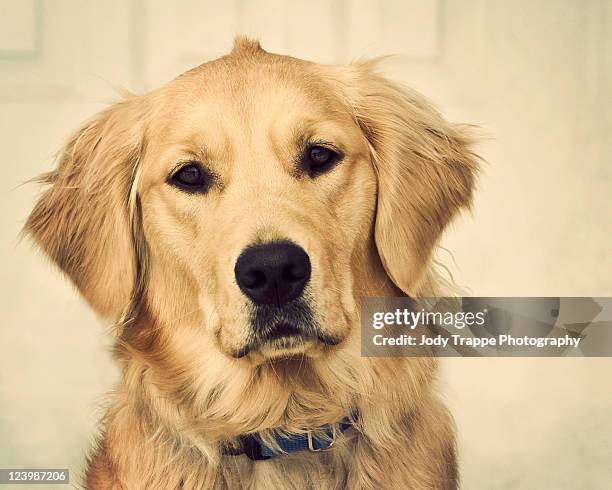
(230,223)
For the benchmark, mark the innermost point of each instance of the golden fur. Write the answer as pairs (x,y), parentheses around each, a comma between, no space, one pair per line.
(159,263)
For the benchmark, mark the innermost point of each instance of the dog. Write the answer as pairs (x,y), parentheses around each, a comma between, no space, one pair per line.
(229,224)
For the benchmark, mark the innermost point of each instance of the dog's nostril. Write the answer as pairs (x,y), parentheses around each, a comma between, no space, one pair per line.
(254,279)
(294,273)
(273,273)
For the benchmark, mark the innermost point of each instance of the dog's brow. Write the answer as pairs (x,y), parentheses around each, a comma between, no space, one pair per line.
(195,148)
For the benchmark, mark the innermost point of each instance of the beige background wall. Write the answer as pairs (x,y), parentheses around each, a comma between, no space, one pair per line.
(536,76)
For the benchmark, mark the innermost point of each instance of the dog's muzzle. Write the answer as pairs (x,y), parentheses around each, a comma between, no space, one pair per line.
(274,276)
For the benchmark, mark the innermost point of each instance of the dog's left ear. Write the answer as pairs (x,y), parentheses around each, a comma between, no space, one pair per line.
(425,169)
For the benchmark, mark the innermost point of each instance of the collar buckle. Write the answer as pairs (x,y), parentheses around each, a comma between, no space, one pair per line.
(311,442)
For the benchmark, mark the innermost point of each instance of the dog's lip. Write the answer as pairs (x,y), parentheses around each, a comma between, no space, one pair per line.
(285,330)
(276,333)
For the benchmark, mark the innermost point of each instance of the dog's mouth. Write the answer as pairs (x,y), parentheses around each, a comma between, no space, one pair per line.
(284,338)
(284,332)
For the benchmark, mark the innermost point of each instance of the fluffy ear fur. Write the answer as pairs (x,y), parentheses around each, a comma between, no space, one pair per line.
(83,221)
(425,170)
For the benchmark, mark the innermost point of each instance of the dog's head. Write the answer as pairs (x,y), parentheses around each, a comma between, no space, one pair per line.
(250,203)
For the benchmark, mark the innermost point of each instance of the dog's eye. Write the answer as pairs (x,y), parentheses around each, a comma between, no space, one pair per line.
(318,159)
(192,178)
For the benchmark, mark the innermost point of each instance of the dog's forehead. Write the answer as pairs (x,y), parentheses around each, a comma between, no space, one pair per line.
(249,93)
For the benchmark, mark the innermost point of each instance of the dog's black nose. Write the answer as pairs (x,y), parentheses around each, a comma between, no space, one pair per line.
(273,273)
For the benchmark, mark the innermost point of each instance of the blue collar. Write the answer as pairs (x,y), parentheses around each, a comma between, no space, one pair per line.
(252,446)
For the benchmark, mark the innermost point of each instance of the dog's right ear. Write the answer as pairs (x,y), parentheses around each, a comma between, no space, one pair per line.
(83,221)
